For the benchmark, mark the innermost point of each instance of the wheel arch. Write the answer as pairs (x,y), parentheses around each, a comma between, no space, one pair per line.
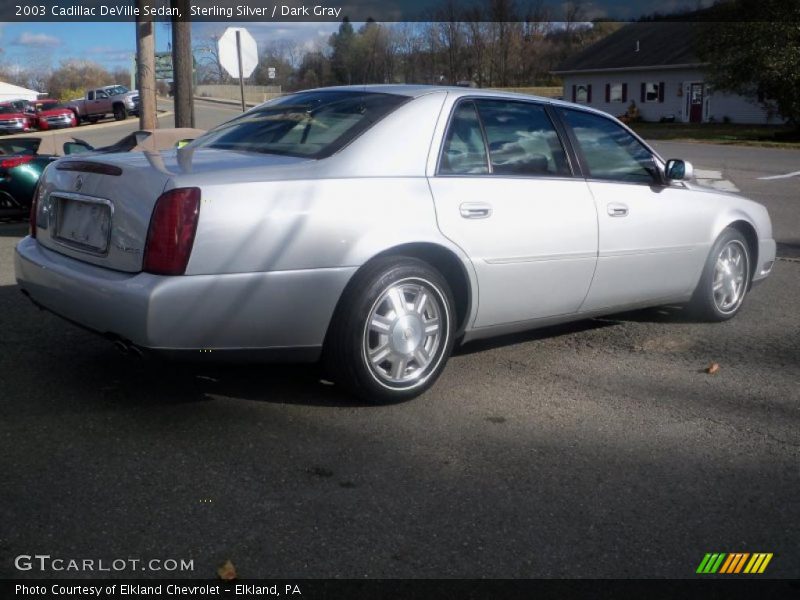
(452,269)
(443,259)
(751,237)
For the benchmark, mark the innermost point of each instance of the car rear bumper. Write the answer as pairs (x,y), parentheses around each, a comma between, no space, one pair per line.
(279,312)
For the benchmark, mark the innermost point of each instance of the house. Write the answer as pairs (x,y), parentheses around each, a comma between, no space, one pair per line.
(654,66)
(14,92)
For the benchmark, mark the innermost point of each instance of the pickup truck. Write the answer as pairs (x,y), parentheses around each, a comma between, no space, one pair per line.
(99,102)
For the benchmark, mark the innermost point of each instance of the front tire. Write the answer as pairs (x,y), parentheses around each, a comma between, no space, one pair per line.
(392,332)
(725,279)
(120,112)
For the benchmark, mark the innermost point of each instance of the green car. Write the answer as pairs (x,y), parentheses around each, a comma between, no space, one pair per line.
(21,165)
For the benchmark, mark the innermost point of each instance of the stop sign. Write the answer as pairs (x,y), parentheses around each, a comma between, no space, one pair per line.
(228,55)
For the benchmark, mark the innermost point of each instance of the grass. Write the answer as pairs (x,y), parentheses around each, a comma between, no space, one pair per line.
(779,136)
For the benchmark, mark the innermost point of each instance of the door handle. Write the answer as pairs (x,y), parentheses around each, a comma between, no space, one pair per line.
(617,210)
(475,210)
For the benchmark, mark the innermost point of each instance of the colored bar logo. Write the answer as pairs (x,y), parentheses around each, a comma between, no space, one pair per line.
(734,563)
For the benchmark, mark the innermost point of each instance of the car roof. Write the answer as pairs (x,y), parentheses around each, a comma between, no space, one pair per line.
(415,91)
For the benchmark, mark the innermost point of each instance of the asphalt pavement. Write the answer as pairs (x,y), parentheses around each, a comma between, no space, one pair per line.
(597,449)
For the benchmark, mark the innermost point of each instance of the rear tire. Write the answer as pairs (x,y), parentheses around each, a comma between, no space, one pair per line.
(725,279)
(392,332)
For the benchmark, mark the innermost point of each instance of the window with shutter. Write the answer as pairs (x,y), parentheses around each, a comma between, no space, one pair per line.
(617,92)
(652,92)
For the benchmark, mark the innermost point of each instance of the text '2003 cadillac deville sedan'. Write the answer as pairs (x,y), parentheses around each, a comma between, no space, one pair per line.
(375,226)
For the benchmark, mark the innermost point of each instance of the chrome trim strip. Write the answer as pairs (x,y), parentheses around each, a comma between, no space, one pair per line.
(545,257)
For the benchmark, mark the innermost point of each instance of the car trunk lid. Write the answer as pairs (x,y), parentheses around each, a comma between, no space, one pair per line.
(97,208)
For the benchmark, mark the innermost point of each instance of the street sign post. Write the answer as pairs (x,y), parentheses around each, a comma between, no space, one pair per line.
(238,55)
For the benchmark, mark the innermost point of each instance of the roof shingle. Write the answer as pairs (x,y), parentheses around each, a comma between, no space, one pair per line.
(659,44)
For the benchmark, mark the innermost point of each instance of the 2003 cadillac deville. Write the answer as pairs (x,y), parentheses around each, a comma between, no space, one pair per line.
(375,226)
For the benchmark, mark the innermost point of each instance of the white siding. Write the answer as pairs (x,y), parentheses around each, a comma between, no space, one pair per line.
(739,109)
(716,106)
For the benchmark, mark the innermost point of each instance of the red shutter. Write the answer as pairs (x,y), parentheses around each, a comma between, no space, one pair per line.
(608,92)
(643,92)
(624,92)
(574,93)
(589,94)
(661,92)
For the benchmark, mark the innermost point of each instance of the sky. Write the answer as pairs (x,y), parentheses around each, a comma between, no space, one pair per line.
(114,44)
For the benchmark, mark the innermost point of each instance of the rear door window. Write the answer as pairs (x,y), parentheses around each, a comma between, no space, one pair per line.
(464,148)
(522,139)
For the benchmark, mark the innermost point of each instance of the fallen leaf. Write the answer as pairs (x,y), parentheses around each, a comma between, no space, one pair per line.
(227,572)
(712,369)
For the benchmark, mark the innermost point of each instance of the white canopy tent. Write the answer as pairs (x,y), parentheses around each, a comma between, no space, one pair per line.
(15,92)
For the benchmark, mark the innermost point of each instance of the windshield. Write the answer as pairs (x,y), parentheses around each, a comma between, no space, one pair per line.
(4,110)
(307,124)
(116,90)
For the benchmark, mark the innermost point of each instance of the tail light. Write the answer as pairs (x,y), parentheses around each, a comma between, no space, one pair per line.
(16,161)
(171,233)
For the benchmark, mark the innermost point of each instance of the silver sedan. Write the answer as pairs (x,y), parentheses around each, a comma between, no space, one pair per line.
(375,227)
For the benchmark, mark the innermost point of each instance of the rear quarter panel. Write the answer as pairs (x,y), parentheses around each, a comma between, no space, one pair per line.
(292,225)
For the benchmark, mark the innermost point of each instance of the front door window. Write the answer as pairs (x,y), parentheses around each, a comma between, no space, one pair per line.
(609,151)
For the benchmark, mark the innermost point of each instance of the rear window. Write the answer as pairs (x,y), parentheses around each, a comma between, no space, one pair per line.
(308,124)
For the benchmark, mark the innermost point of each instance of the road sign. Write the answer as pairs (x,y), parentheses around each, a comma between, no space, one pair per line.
(271,72)
(228,52)
(164,65)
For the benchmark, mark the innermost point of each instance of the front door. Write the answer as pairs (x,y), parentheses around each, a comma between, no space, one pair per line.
(505,193)
(696,103)
(653,237)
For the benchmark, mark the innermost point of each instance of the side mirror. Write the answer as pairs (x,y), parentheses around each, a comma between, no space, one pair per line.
(678,170)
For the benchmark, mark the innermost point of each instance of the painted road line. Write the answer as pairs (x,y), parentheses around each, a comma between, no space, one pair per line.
(713,179)
(706,174)
(785,176)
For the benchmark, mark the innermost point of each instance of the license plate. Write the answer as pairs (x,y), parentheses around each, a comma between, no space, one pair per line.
(84,224)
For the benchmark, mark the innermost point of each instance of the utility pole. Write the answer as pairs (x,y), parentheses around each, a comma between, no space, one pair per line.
(146,68)
(182,66)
